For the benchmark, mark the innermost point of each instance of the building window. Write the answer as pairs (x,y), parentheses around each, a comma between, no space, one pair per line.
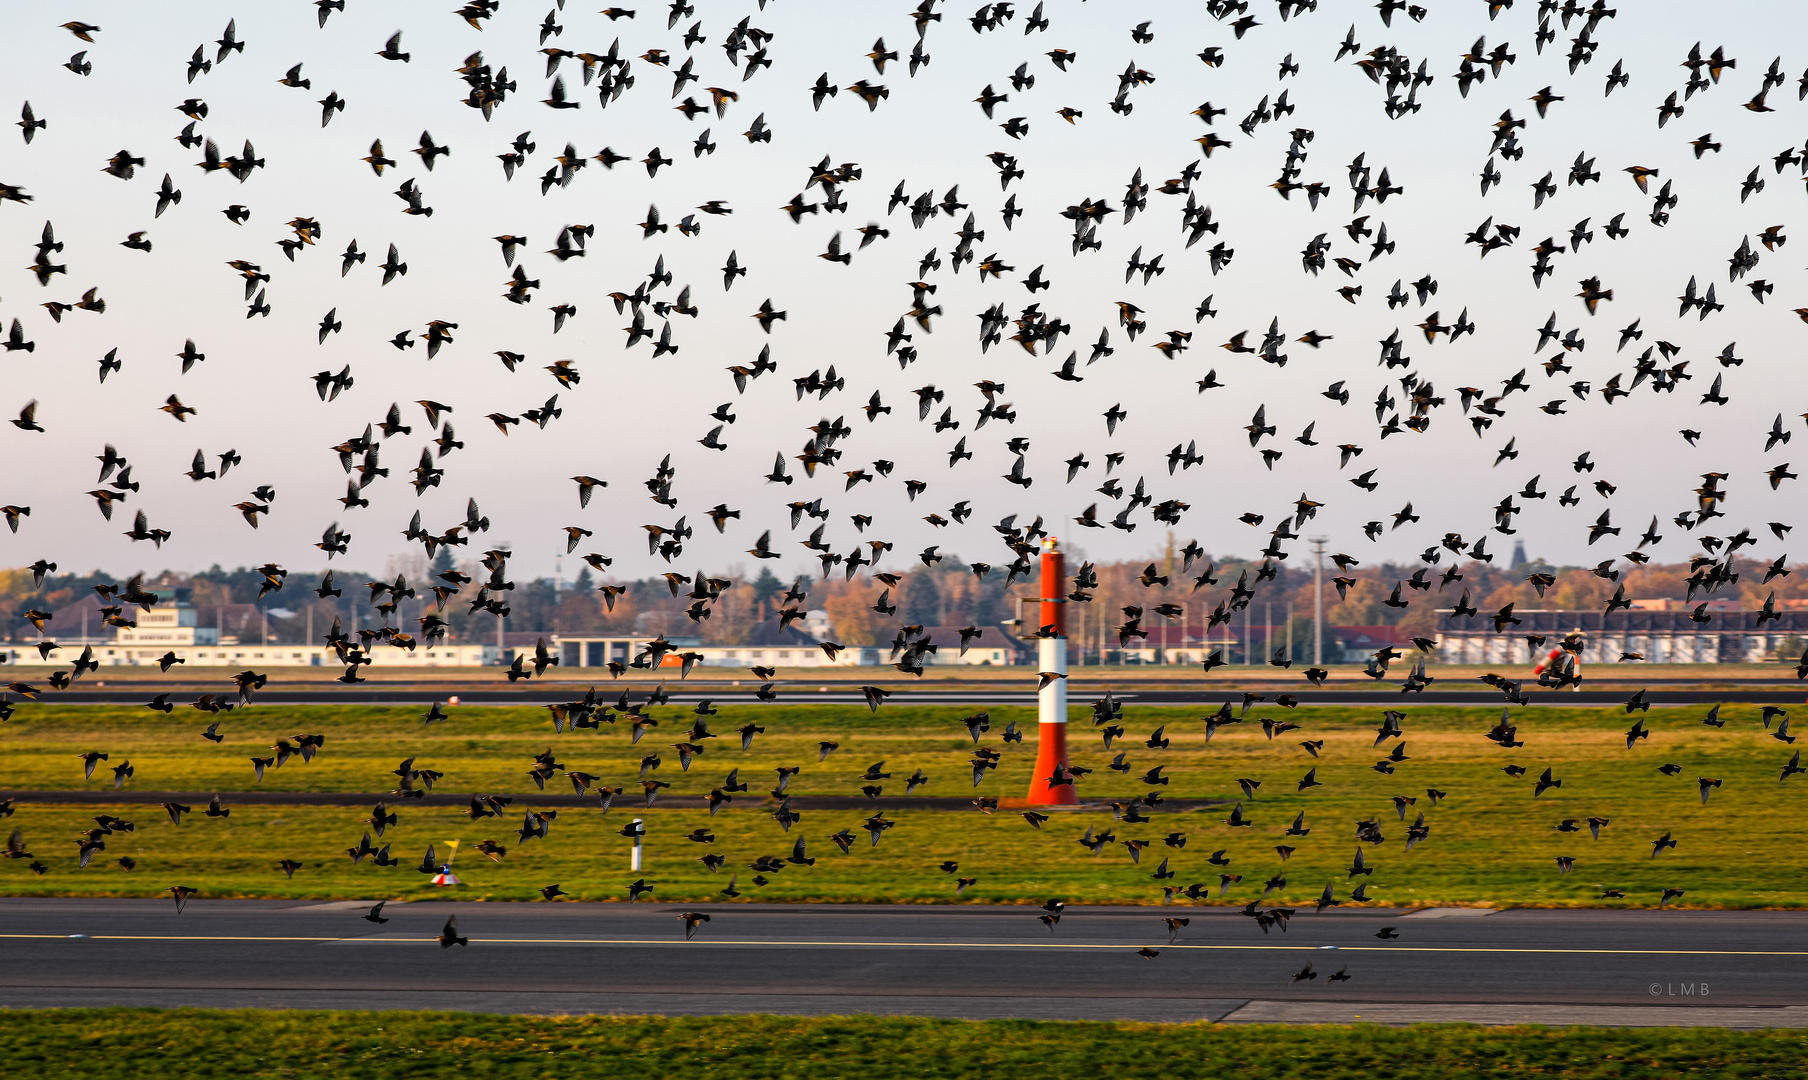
(784,654)
(729,655)
(756,654)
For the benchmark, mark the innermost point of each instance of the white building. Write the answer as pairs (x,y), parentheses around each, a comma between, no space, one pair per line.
(174,628)
(586,650)
(252,655)
(993,647)
(166,627)
(1726,636)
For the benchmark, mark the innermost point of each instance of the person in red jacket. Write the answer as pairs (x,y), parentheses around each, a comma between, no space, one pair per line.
(1562,661)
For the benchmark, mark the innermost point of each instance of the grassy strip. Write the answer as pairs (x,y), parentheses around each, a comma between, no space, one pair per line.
(200,1045)
(1492,841)
(490,748)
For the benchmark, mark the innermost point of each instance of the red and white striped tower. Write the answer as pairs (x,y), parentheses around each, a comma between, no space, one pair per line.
(1051,700)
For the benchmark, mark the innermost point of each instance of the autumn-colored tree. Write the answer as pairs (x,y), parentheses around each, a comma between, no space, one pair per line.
(850,608)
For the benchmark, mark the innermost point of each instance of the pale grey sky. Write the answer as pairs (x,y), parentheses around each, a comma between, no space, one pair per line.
(254,391)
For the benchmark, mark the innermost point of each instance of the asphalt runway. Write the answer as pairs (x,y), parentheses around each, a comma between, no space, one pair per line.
(1646,967)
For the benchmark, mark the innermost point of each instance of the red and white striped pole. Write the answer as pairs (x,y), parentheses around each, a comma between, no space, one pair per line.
(1051,700)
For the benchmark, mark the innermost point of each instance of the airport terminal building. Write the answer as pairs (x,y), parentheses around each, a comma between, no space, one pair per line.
(1655,631)
(1657,636)
(178,627)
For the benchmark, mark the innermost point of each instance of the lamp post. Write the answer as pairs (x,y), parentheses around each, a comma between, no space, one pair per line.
(1318,601)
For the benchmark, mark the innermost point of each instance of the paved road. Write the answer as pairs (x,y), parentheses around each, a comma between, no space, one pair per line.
(1740,969)
(1211,696)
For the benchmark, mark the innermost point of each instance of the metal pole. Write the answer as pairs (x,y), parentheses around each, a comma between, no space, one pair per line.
(1268,627)
(1318,602)
(1247,639)
(1051,700)
(1099,625)
(1080,660)
(634,853)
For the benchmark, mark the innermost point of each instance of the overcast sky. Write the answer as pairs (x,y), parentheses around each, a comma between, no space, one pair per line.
(254,392)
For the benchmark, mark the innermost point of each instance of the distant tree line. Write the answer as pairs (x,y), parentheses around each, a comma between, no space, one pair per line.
(950,593)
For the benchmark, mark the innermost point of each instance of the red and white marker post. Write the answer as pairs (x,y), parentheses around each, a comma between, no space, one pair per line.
(1051,700)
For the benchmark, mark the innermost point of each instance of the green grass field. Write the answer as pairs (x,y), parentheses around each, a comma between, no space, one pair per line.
(200,1045)
(1491,842)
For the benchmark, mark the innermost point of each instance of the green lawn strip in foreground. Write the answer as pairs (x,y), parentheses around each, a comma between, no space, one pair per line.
(1491,842)
(199,1045)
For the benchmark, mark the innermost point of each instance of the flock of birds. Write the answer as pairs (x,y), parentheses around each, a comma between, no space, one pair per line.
(592,712)
(1408,403)
(598,79)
